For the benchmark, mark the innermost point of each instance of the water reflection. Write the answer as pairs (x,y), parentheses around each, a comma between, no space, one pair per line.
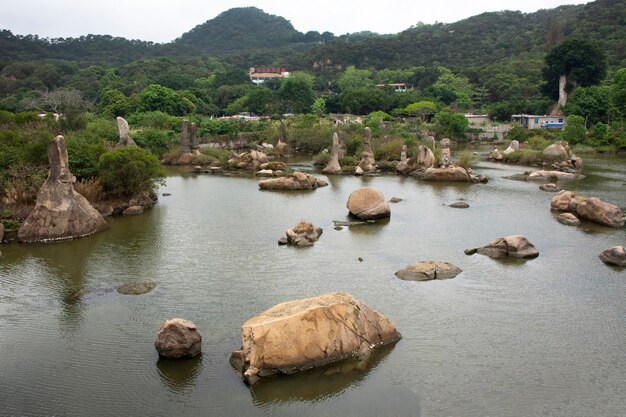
(319,383)
(179,375)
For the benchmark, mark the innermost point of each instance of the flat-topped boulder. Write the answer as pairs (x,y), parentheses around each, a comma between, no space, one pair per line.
(592,209)
(516,246)
(428,270)
(368,203)
(614,256)
(553,176)
(303,334)
(60,212)
(178,338)
(450,174)
(295,181)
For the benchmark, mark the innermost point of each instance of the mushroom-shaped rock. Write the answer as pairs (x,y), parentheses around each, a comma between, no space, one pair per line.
(513,146)
(178,338)
(303,234)
(428,270)
(60,212)
(303,334)
(296,181)
(614,256)
(368,203)
(568,219)
(516,246)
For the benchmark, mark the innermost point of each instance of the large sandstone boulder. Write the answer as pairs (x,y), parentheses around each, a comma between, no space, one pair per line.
(452,174)
(428,270)
(556,151)
(123,129)
(516,246)
(367,162)
(60,212)
(304,334)
(303,234)
(614,256)
(296,181)
(368,203)
(333,166)
(592,209)
(552,176)
(178,338)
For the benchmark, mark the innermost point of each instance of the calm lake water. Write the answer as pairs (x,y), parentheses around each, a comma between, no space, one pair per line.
(546,337)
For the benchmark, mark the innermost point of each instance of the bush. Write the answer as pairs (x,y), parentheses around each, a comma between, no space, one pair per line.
(348,162)
(155,119)
(389,151)
(83,154)
(321,159)
(537,143)
(129,171)
(156,141)
(466,159)
(216,154)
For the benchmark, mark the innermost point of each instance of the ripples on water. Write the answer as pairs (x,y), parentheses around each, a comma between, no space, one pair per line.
(506,338)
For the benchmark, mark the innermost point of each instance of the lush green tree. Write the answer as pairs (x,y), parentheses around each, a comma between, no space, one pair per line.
(581,61)
(422,109)
(129,171)
(365,100)
(319,106)
(114,102)
(452,125)
(593,103)
(155,97)
(83,154)
(575,131)
(354,78)
(618,91)
(296,93)
(451,88)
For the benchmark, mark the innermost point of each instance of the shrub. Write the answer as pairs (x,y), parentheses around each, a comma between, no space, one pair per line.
(354,146)
(525,157)
(537,143)
(217,154)
(466,159)
(348,162)
(83,155)
(129,171)
(156,141)
(389,151)
(155,119)
(90,188)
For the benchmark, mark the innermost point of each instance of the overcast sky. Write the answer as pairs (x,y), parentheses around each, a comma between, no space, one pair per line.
(165,20)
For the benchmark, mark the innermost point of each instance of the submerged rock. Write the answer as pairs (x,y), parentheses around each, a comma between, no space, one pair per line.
(303,234)
(395,199)
(60,212)
(133,210)
(553,176)
(178,338)
(568,219)
(428,270)
(459,204)
(549,187)
(303,334)
(614,256)
(136,288)
(296,181)
(368,203)
(516,246)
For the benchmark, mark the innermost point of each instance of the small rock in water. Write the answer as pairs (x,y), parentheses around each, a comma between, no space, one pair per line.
(614,256)
(133,210)
(395,200)
(338,228)
(549,187)
(470,251)
(360,259)
(568,219)
(136,288)
(459,204)
(178,338)
(428,270)
(282,241)
(166,194)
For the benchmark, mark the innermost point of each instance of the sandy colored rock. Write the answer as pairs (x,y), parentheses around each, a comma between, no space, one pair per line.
(264,173)
(513,146)
(303,234)
(561,201)
(516,246)
(552,176)
(368,203)
(600,212)
(556,151)
(296,181)
(60,212)
(549,187)
(123,130)
(496,155)
(178,338)
(428,270)
(133,210)
(333,166)
(367,162)
(425,157)
(614,256)
(452,174)
(303,334)
(568,219)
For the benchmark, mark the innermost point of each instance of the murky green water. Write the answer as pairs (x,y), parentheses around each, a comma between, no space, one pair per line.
(543,337)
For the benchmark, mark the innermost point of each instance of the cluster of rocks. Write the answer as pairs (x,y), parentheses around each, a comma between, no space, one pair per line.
(295,181)
(251,161)
(60,212)
(302,234)
(558,156)
(592,209)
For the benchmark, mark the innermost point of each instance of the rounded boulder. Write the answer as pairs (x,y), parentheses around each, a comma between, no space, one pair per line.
(368,203)
(178,338)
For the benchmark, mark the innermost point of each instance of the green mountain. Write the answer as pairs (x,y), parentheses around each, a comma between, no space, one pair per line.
(241,28)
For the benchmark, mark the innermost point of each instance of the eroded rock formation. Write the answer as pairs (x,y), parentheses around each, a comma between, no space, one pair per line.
(513,146)
(367,163)
(516,246)
(333,166)
(304,334)
(60,212)
(303,234)
(295,181)
(428,270)
(592,209)
(123,129)
(282,147)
